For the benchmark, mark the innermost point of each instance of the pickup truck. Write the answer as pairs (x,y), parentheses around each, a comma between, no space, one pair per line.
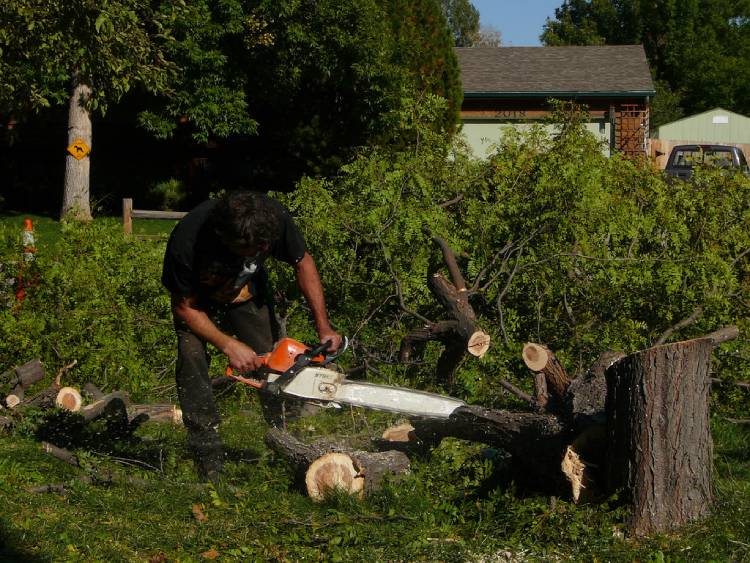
(684,158)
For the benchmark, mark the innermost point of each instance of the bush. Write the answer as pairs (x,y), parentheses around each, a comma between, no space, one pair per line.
(97,300)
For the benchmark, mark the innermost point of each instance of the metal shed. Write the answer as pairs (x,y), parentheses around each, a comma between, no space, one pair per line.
(716,126)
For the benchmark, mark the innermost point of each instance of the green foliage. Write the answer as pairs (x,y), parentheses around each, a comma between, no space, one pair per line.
(563,245)
(169,194)
(463,21)
(698,48)
(450,508)
(424,45)
(210,42)
(94,297)
(111,46)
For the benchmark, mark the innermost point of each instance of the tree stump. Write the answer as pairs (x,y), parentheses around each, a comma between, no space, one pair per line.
(659,441)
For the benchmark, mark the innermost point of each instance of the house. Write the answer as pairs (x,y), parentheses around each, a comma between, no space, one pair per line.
(512,87)
(716,126)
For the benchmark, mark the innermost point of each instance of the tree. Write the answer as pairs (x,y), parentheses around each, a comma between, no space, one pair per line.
(697,49)
(425,47)
(488,36)
(463,21)
(83,54)
(329,78)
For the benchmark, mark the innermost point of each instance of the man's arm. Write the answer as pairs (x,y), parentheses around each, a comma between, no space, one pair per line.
(309,282)
(241,356)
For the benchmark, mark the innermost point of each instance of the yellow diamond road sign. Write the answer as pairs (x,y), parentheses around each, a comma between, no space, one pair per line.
(78,149)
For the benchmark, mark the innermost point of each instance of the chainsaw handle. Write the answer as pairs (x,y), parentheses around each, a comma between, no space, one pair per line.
(229,372)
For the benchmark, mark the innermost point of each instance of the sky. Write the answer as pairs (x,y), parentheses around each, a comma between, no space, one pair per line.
(520,21)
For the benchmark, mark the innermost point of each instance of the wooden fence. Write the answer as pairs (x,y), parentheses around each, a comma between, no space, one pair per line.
(128,214)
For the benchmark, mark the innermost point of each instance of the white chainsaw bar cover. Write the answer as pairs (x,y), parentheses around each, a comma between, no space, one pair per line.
(321,384)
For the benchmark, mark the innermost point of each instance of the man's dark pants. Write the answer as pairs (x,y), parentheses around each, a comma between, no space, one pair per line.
(253,323)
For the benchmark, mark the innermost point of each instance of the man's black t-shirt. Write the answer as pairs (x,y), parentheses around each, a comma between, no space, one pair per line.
(196,262)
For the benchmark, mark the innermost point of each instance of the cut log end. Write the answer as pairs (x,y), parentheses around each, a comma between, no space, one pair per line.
(15,397)
(478,344)
(333,471)
(69,399)
(398,433)
(535,356)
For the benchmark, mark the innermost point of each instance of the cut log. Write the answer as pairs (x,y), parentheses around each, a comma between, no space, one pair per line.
(459,333)
(353,471)
(26,374)
(157,412)
(659,442)
(398,433)
(539,358)
(69,399)
(15,397)
(112,405)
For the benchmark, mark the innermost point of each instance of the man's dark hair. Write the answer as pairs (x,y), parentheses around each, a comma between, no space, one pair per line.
(245,218)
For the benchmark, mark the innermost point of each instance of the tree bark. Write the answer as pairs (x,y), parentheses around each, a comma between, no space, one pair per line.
(659,441)
(322,468)
(535,441)
(76,201)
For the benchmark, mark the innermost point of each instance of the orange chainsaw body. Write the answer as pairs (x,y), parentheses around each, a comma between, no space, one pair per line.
(285,353)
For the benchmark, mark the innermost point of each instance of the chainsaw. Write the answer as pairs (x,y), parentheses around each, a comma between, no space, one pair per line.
(295,370)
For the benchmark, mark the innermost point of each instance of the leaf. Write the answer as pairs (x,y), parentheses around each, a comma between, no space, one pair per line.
(210,554)
(198,513)
(100,21)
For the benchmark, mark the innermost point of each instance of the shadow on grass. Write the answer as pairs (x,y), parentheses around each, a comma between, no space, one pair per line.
(9,551)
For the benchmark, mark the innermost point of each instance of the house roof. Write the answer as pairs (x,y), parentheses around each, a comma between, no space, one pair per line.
(547,71)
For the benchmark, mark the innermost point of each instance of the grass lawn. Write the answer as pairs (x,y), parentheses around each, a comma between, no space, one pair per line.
(47,229)
(449,508)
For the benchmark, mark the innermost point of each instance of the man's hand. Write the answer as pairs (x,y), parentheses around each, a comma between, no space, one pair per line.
(241,357)
(333,336)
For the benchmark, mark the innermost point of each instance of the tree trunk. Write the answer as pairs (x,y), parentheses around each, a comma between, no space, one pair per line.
(323,468)
(535,441)
(76,203)
(659,442)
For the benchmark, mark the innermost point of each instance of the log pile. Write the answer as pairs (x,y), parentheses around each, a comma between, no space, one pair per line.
(635,423)
(90,403)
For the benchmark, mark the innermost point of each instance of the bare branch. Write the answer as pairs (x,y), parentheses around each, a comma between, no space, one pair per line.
(694,316)
(450,202)
(513,390)
(450,261)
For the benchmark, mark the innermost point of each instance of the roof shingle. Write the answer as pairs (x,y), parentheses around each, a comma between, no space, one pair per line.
(548,70)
